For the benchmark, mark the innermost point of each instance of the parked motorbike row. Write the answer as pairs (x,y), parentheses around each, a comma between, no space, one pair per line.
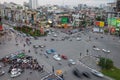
(19,62)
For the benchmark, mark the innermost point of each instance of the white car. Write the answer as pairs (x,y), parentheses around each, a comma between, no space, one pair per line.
(31,37)
(15,72)
(97,49)
(24,35)
(55,35)
(71,61)
(41,46)
(107,51)
(35,46)
(56,57)
(99,74)
(78,39)
(49,33)
(14,24)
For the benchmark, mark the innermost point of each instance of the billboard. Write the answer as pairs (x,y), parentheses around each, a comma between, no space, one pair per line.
(114,22)
(99,23)
(64,20)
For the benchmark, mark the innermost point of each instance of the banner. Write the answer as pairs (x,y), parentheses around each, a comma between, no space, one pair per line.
(118,23)
(64,20)
(112,21)
(101,24)
(97,23)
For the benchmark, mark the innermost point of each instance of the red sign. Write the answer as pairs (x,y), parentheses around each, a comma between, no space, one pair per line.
(112,30)
(97,23)
(1,28)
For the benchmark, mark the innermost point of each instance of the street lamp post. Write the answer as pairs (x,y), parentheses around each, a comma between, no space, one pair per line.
(106,58)
(80,55)
(106,54)
(87,51)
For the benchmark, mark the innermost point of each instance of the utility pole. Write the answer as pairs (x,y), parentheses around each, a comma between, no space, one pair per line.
(53,70)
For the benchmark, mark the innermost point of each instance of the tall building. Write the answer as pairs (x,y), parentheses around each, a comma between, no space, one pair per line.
(33,4)
(118,5)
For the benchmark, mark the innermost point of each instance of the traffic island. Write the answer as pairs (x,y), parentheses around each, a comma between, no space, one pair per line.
(31,31)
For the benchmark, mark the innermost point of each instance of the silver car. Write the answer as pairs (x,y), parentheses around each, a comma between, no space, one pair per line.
(71,62)
(96,73)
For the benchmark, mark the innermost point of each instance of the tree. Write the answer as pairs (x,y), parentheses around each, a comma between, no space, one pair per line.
(106,30)
(106,63)
(98,18)
(19,7)
(6,18)
(83,23)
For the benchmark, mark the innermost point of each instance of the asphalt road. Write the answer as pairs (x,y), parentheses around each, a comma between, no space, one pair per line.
(71,49)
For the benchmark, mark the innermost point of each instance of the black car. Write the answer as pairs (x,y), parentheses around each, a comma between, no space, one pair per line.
(36,46)
(77,73)
(52,39)
(86,74)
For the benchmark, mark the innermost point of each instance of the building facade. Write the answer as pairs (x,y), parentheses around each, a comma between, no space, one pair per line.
(33,4)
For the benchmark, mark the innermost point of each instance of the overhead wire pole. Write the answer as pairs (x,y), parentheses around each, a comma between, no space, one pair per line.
(109,27)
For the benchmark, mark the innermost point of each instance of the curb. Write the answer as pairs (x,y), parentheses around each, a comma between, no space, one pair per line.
(109,78)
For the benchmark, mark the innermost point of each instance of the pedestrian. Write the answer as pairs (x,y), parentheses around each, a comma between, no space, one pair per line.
(80,54)
(30,72)
(53,69)
(87,51)
(69,65)
(42,66)
(27,79)
(62,76)
(113,38)
(17,44)
(59,55)
(28,51)
(30,42)
(45,39)
(24,45)
(24,50)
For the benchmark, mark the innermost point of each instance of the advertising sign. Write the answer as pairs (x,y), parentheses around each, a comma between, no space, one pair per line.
(112,21)
(64,20)
(118,23)
(97,23)
(101,24)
